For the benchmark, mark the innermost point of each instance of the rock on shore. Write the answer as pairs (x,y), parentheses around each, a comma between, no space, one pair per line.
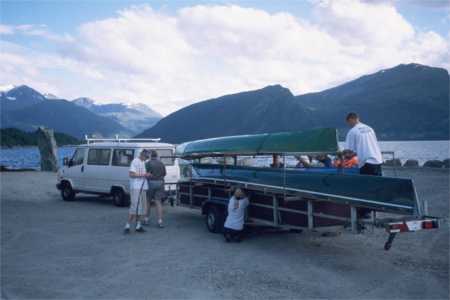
(412,163)
(393,162)
(433,164)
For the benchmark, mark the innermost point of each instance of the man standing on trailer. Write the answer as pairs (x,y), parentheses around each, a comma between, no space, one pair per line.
(157,171)
(138,191)
(362,140)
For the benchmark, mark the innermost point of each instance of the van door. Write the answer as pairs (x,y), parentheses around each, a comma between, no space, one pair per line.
(97,169)
(74,171)
(120,166)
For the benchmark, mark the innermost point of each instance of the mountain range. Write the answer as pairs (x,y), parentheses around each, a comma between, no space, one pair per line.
(409,101)
(24,108)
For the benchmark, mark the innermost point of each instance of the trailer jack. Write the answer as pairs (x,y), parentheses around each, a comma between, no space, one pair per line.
(388,243)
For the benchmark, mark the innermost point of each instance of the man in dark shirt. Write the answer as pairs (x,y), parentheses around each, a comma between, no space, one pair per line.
(157,171)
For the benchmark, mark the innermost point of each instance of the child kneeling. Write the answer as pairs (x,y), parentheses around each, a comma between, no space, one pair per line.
(234,224)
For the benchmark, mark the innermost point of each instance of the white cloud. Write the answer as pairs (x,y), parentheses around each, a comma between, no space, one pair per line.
(4,29)
(204,51)
(40,30)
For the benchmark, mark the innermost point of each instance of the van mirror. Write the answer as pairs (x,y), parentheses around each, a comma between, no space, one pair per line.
(67,162)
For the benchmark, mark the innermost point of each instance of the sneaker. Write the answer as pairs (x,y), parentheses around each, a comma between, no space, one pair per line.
(126,231)
(145,222)
(160,225)
(140,229)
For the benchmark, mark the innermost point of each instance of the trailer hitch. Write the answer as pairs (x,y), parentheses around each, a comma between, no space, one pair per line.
(388,243)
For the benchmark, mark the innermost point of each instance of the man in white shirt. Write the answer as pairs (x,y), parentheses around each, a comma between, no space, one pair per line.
(234,224)
(362,140)
(138,191)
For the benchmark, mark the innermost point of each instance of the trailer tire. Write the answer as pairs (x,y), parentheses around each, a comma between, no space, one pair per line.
(119,197)
(67,193)
(214,219)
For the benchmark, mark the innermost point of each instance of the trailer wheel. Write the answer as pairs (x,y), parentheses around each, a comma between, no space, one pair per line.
(214,220)
(119,197)
(67,193)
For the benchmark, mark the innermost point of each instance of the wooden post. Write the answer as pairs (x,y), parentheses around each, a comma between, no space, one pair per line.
(48,149)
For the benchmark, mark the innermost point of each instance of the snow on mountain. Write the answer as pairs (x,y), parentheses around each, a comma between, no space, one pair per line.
(136,117)
(50,96)
(6,88)
(84,101)
(145,109)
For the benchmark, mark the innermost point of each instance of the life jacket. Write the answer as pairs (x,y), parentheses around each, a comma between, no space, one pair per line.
(350,163)
(346,163)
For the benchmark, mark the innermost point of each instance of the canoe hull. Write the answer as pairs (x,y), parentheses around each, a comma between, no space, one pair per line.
(373,192)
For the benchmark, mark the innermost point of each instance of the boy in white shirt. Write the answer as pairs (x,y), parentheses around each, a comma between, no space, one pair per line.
(234,223)
(138,191)
(362,140)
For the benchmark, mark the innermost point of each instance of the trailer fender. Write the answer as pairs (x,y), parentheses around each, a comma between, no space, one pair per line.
(209,203)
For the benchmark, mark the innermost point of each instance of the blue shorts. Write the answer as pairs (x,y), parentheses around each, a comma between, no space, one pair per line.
(155,190)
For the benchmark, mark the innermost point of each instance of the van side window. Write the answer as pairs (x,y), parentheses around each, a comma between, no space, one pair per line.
(78,157)
(99,157)
(122,157)
(165,155)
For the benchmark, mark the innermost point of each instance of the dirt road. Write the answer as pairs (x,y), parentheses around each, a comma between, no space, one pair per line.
(56,249)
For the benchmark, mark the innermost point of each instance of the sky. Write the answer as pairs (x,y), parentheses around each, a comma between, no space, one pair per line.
(169,54)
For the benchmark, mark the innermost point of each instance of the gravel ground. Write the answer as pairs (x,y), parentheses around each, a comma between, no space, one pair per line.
(56,249)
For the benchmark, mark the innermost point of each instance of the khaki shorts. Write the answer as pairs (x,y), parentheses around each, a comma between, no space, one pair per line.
(155,190)
(134,199)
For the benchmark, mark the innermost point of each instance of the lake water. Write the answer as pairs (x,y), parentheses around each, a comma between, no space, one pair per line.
(421,150)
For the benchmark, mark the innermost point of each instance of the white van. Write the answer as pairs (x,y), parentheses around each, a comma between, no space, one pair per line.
(101,167)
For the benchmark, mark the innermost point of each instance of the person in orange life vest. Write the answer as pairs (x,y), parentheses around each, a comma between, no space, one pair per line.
(348,159)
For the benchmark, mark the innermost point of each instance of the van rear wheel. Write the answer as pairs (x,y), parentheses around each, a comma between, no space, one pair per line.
(67,193)
(120,198)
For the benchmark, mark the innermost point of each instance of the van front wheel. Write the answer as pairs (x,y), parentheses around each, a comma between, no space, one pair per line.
(67,193)
(119,198)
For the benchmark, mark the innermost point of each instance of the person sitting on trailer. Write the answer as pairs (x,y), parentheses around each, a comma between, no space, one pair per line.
(234,224)
(138,191)
(276,163)
(303,161)
(325,160)
(347,159)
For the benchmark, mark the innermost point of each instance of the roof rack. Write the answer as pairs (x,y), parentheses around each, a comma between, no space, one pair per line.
(118,140)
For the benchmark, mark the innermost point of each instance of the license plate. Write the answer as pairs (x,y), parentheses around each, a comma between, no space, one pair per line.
(414,225)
